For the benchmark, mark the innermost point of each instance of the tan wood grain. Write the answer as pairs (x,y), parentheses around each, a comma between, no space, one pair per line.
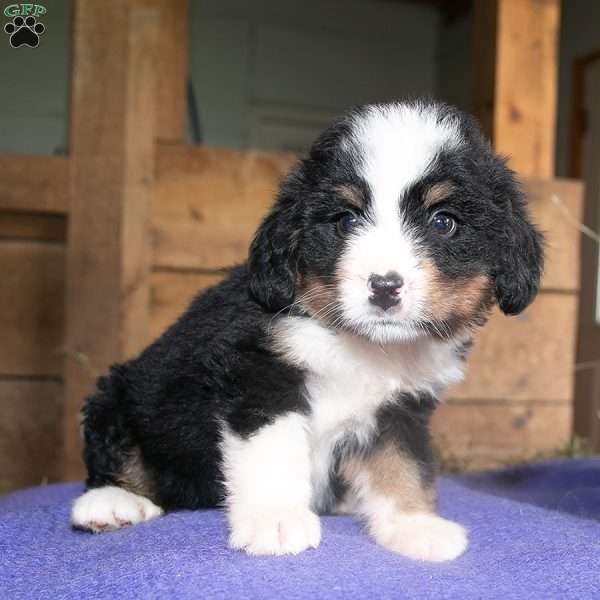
(172,68)
(515,67)
(530,356)
(30,432)
(561,270)
(482,435)
(209,202)
(34,183)
(32,301)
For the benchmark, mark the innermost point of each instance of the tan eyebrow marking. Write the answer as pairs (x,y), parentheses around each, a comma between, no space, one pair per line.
(437,192)
(352,195)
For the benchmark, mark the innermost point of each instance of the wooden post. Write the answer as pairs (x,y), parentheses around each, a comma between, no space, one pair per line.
(112,145)
(515,79)
(172,65)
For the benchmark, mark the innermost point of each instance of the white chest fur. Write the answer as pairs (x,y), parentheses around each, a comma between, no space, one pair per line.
(349,378)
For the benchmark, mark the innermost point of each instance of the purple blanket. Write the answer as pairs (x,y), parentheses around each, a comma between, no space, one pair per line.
(534,532)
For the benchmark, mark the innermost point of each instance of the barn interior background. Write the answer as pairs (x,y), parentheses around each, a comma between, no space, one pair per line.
(142,141)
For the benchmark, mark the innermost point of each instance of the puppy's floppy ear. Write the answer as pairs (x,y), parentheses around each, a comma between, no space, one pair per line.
(273,257)
(520,251)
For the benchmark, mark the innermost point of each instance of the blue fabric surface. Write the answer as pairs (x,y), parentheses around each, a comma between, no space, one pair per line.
(534,533)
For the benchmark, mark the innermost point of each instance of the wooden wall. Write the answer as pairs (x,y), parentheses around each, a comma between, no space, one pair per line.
(515,404)
(32,261)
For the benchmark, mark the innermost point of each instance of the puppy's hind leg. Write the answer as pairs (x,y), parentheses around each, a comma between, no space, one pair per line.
(110,507)
(268,489)
(119,485)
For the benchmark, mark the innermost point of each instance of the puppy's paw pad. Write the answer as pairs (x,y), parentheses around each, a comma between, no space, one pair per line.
(277,532)
(109,508)
(425,537)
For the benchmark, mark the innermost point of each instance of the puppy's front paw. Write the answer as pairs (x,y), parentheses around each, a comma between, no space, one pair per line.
(276,532)
(423,536)
(108,508)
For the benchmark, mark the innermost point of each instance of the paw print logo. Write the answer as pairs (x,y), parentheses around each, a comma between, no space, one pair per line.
(24,32)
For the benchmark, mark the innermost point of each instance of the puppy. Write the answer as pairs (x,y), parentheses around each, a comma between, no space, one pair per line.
(304,382)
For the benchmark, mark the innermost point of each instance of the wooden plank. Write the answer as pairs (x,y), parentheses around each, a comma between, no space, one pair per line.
(479,436)
(33,227)
(208,203)
(32,315)
(30,432)
(171,294)
(34,183)
(530,356)
(172,68)
(112,158)
(561,270)
(515,68)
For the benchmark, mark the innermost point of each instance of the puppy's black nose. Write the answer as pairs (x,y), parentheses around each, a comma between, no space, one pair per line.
(385,289)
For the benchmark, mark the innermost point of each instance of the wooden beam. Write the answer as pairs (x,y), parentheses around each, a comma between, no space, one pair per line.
(112,166)
(515,50)
(172,65)
(34,183)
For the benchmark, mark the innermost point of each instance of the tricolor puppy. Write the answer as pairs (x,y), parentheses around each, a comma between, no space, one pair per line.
(303,384)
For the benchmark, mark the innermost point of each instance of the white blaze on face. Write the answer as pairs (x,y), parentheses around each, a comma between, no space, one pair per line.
(395,146)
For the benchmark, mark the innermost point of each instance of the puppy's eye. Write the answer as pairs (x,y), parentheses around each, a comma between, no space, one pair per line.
(346,223)
(443,224)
